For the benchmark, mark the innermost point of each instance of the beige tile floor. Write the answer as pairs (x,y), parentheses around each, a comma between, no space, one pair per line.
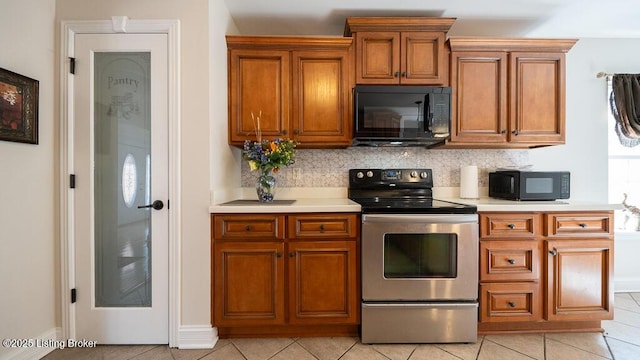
(621,341)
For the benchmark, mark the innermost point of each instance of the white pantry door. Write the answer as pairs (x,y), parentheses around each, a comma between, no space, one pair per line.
(120,156)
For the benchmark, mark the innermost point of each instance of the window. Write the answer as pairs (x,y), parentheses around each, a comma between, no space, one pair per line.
(624,176)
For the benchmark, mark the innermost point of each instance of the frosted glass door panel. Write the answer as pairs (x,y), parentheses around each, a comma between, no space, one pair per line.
(122,179)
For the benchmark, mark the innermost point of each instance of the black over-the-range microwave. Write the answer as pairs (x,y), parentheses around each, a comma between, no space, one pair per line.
(529,185)
(401,115)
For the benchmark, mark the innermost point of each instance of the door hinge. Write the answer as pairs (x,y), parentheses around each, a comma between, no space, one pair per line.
(72,181)
(72,65)
(73,295)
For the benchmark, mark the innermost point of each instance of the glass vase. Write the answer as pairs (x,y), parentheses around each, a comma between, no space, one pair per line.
(266,186)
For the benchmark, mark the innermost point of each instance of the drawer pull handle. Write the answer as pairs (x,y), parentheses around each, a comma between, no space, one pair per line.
(511,226)
(321,227)
(553,252)
(582,225)
(248,228)
(511,261)
(511,304)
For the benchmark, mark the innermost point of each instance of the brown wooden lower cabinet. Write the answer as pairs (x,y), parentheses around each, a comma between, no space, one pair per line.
(249,283)
(579,280)
(555,276)
(302,283)
(321,279)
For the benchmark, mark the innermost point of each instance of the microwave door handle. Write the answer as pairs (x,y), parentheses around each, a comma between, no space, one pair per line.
(428,115)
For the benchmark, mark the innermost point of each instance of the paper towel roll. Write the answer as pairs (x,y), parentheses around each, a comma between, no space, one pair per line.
(469,182)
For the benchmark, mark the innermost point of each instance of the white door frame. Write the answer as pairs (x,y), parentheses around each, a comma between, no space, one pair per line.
(118,24)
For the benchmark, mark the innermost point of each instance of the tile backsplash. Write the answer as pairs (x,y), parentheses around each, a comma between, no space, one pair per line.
(330,168)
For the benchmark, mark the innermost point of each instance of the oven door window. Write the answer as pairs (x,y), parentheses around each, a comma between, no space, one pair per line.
(420,255)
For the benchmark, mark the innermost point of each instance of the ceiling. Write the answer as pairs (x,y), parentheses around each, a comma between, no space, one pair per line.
(516,18)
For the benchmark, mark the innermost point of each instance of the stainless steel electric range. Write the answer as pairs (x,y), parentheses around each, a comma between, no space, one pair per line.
(419,259)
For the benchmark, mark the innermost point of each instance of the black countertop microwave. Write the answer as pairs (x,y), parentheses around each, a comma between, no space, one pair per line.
(401,115)
(529,185)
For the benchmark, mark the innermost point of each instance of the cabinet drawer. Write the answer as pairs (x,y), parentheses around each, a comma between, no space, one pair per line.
(323,226)
(509,225)
(579,224)
(502,302)
(249,227)
(509,260)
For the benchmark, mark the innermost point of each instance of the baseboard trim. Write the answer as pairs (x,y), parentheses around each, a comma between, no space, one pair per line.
(626,285)
(197,337)
(42,345)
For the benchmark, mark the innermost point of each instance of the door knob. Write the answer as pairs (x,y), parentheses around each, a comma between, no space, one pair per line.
(156,205)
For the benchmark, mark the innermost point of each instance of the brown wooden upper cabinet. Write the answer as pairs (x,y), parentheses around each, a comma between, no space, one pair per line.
(507,92)
(300,85)
(400,50)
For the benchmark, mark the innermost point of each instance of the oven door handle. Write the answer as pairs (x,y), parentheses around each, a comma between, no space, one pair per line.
(422,218)
(441,305)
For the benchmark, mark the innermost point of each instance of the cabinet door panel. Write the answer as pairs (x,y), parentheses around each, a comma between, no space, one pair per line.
(537,98)
(258,83)
(322,282)
(321,97)
(579,279)
(479,98)
(248,284)
(377,57)
(422,56)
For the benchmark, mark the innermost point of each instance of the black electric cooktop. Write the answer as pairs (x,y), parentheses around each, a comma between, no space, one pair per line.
(400,191)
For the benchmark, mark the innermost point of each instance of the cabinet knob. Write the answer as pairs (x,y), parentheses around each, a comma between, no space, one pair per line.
(511,304)
(321,227)
(278,255)
(284,132)
(553,252)
(583,225)
(511,261)
(503,132)
(296,132)
(292,254)
(515,132)
(511,226)
(396,74)
(404,74)
(247,228)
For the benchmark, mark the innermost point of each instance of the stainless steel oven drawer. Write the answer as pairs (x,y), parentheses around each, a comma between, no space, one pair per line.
(419,322)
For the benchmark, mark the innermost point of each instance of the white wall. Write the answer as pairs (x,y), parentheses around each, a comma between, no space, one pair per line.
(225,160)
(27,181)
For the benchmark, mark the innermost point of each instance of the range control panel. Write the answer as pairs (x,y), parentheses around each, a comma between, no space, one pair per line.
(390,177)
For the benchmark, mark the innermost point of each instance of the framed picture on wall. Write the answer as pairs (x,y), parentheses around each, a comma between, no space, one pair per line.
(18,108)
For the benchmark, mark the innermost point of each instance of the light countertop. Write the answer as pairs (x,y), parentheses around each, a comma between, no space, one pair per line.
(335,200)
(490,204)
(299,205)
